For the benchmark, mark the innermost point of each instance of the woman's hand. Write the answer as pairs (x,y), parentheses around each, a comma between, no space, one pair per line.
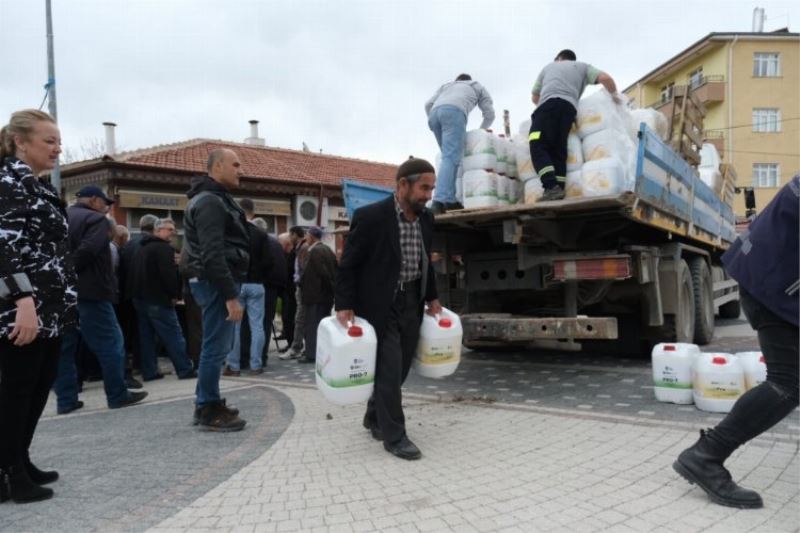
(26,324)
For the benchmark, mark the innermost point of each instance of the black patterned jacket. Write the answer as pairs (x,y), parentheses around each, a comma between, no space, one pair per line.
(34,256)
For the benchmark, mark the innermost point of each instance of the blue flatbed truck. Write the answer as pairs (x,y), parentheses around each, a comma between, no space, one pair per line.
(638,267)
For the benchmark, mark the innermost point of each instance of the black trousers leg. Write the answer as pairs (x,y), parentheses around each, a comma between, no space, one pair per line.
(314,315)
(550,126)
(288,310)
(763,406)
(396,350)
(25,378)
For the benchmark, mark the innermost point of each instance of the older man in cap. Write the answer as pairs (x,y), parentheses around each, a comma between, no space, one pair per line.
(384,276)
(90,233)
(317,287)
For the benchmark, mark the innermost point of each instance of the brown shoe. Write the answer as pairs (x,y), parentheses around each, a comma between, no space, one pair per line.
(215,416)
(233,411)
(231,372)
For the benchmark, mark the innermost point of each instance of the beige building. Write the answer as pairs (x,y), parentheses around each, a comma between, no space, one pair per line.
(750,86)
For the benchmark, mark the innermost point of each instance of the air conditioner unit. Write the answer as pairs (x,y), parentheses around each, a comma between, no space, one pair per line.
(305,211)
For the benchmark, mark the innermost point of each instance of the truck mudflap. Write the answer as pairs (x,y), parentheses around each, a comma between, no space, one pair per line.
(510,328)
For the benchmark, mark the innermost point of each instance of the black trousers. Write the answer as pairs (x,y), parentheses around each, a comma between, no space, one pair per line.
(314,315)
(763,406)
(26,375)
(288,310)
(396,349)
(550,125)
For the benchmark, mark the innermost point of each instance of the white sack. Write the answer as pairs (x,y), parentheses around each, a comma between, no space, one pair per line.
(574,152)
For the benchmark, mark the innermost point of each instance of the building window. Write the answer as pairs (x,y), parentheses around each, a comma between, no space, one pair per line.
(766,120)
(766,174)
(696,78)
(666,92)
(272,223)
(766,65)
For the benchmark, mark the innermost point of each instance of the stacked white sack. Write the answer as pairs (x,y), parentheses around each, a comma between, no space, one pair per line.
(480,188)
(655,120)
(522,153)
(709,167)
(503,184)
(501,150)
(479,151)
(511,159)
(533,191)
(573,188)
(574,153)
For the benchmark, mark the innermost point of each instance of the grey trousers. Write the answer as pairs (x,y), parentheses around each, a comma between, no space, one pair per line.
(299,322)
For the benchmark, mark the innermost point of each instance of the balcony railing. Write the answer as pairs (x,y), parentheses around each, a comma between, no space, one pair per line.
(717,138)
(708,89)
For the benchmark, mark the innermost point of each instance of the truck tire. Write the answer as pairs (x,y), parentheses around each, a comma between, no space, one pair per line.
(703,300)
(680,326)
(731,309)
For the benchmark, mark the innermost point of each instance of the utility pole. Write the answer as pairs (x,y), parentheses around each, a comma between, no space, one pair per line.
(55,175)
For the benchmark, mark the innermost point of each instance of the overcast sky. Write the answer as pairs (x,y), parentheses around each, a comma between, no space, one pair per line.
(347,77)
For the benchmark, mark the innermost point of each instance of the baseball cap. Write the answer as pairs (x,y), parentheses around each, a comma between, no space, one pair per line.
(315,231)
(94,190)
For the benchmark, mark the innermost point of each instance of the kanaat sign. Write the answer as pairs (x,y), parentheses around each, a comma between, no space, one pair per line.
(142,200)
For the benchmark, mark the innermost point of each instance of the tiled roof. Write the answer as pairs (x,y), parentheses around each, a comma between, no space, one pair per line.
(276,164)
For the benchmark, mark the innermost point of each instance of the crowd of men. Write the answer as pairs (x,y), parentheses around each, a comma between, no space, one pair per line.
(137,301)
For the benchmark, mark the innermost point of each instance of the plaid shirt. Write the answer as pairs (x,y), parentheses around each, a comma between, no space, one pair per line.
(410,246)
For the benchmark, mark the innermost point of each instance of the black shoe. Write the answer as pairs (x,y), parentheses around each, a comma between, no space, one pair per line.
(215,416)
(133,397)
(67,410)
(18,486)
(133,383)
(437,208)
(157,375)
(404,449)
(373,428)
(190,375)
(552,194)
(40,477)
(702,464)
(453,207)
(306,360)
(197,411)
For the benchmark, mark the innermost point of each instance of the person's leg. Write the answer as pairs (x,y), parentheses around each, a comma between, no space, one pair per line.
(255,317)
(147,341)
(411,320)
(538,140)
(299,323)
(435,126)
(565,120)
(288,311)
(313,316)
(217,341)
(387,399)
(66,383)
(50,354)
(194,326)
(270,308)
(166,325)
(104,339)
(454,130)
(234,357)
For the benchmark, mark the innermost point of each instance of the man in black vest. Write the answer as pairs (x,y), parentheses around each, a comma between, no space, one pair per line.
(384,276)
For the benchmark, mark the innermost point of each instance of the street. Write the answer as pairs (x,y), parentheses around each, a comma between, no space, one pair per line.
(514,441)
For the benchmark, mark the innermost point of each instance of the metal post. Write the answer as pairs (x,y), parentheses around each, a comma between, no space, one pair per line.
(55,175)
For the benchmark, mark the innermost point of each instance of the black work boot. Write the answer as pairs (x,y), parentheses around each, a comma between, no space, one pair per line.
(553,193)
(15,484)
(216,416)
(40,477)
(702,464)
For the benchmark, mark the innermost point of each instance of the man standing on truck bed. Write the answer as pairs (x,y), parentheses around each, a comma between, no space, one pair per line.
(447,112)
(555,94)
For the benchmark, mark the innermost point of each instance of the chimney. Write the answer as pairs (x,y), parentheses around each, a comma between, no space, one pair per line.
(758,20)
(111,142)
(254,139)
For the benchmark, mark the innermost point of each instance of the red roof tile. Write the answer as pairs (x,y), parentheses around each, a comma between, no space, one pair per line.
(266,162)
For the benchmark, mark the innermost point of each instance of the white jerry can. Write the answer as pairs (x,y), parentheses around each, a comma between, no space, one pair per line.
(439,347)
(718,382)
(346,360)
(672,371)
(755,369)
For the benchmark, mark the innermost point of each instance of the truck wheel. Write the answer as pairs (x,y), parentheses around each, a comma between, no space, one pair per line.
(703,300)
(731,309)
(680,326)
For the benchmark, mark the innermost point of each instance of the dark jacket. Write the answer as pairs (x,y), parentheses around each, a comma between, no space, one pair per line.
(369,270)
(319,276)
(34,251)
(765,259)
(260,256)
(216,240)
(276,279)
(155,278)
(89,239)
(125,274)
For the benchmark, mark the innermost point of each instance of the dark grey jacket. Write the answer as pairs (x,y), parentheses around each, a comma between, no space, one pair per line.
(89,239)
(216,243)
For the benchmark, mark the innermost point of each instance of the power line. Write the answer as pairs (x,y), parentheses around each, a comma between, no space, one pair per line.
(761,153)
(751,125)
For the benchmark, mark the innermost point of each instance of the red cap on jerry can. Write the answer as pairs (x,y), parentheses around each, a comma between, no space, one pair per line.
(445,323)
(719,360)
(355,331)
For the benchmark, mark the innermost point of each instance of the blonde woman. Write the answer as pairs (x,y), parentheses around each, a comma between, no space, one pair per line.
(37,295)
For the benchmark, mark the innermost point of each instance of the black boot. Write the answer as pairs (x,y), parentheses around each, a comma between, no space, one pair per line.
(702,464)
(40,477)
(15,484)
